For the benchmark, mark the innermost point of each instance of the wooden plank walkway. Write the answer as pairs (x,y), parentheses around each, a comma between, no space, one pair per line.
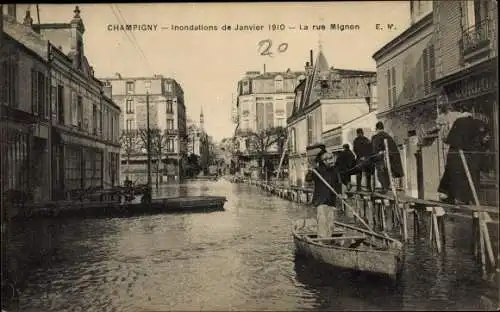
(389,213)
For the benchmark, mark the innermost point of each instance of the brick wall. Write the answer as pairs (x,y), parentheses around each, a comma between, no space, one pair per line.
(448,32)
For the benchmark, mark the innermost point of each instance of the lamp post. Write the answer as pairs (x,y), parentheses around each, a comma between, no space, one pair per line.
(148,132)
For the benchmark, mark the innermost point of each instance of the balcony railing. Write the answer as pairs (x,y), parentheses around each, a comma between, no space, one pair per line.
(476,39)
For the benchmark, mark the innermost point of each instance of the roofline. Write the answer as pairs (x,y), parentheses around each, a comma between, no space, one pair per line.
(399,40)
(111,101)
(25,48)
(139,78)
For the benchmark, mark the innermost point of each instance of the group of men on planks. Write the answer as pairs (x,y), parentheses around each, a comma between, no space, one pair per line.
(467,134)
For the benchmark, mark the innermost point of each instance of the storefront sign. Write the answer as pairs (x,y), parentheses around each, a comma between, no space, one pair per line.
(471,87)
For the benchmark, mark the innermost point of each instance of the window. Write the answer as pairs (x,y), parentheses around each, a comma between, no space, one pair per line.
(170,124)
(428,69)
(245,124)
(8,83)
(310,125)
(170,145)
(60,104)
(260,116)
(168,87)
(94,119)
(289,108)
(129,106)
(73,168)
(278,84)
(130,87)
(280,122)
(292,147)
(37,92)
(170,107)
(269,115)
(79,111)
(129,124)
(391,87)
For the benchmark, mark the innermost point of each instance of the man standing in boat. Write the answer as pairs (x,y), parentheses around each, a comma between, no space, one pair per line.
(323,198)
(378,145)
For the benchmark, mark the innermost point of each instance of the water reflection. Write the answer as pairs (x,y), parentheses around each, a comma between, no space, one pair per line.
(242,258)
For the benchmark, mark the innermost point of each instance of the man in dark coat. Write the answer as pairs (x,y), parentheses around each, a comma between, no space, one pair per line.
(344,163)
(471,136)
(378,146)
(363,149)
(322,195)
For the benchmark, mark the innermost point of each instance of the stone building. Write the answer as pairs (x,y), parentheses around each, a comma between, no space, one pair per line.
(466,48)
(71,142)
(167,112)
(25,109)
(264,101)
(407,101)
(326,99)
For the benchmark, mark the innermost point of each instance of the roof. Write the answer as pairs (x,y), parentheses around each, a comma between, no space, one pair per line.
(321,71)
(271,75)
(410,31)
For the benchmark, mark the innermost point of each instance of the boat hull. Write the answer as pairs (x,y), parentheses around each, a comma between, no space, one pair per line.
(381,262)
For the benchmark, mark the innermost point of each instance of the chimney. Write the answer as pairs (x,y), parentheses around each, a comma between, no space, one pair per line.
(108,91)
(311,57)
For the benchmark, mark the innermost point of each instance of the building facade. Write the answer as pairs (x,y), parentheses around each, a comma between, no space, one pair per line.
(72,138)
(167,113)
(407,101)
(326,99)
(264,101)
(25,110)
(466,72)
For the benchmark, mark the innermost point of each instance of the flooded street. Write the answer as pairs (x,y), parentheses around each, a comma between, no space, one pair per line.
(239,259)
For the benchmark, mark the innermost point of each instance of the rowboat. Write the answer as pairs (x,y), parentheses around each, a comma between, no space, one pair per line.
(350,247)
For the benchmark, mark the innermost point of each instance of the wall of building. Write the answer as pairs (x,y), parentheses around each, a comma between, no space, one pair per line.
(336,112)
(407,61)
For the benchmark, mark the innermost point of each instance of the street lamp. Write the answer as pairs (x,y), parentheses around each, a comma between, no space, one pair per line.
(147,85)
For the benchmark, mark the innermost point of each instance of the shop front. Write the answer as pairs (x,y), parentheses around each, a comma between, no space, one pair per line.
(477,89)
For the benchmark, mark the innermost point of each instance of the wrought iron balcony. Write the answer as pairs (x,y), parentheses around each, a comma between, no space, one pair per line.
(476,40)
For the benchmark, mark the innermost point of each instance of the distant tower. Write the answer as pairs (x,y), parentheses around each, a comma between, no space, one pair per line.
(202,121)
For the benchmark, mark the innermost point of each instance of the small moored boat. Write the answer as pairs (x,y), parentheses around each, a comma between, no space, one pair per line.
(349,247)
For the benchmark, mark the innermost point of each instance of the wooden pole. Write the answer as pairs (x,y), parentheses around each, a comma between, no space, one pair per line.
(391,180)
(347,205)
(484,234)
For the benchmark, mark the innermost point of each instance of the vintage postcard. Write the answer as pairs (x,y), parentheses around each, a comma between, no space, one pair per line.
(281,156)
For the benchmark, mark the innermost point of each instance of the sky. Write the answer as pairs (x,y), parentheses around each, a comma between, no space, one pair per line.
(208,64)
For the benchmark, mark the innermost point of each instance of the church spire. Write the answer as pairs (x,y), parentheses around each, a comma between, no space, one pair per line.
(202,121)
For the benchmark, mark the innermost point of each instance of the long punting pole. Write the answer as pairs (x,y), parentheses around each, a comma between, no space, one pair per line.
(345,203)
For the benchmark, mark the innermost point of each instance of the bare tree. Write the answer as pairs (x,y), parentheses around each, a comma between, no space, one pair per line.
(259,142)
(130,143)
(159,142)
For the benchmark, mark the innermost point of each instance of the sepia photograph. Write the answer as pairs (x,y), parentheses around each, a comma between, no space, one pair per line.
(249,156)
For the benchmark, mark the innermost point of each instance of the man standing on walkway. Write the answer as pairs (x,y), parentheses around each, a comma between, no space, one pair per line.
(378,146)
(363,150)
(344,164)
(471,136)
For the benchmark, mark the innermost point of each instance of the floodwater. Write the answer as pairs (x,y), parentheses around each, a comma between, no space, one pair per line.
(240,259)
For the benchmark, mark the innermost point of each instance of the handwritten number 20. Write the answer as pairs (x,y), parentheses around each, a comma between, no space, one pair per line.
(266,44)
